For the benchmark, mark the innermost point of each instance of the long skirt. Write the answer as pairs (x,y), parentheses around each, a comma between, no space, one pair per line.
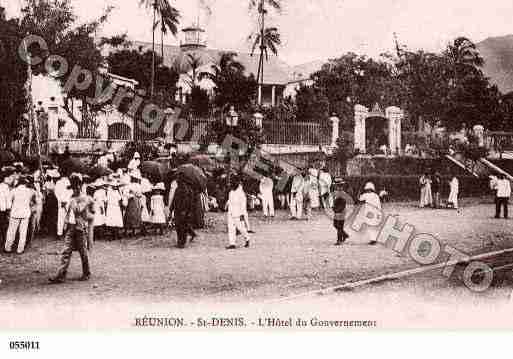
(49,215)
(198,212)
(133,213)
(426,198)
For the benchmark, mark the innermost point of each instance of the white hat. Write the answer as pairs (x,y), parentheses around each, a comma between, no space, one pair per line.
(369,186)
(53,173)
(160,186)
(137,155)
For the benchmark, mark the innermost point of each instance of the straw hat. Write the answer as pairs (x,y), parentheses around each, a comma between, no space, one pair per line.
(369,186)
(53,173)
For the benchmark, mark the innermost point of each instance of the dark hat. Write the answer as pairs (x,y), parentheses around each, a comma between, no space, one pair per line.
(339,180)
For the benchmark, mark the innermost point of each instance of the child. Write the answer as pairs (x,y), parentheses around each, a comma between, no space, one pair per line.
(114,217)
(339,209)
(237,208)
(80,213)
(158,214)
(133,209)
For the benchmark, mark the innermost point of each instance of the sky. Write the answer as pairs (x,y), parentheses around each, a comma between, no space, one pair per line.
(318,29)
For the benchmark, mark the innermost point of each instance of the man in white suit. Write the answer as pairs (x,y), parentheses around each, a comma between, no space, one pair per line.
(296,196)
(266,193)
(63,194)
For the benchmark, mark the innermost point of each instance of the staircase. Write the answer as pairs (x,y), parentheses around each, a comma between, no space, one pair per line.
(481,168)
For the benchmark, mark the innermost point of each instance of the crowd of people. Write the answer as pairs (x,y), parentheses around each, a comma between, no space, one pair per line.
(126,202)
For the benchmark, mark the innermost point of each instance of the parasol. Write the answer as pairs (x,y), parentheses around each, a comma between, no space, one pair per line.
(153,170)
(100,171)
(192,175)
(204,162)
(71,165)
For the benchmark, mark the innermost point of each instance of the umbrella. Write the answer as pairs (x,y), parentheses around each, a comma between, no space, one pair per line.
(100,171)
(192,175)
(6,156)
(73,165)
(153,170)
(204,162)
(33,162)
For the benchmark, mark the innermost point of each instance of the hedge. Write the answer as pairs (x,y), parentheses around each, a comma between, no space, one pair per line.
(402,166)
(406,188)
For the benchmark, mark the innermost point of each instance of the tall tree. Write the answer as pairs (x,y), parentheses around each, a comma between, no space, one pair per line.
(55,21)
(168,21)
(260,6)
(13,79)
(271,41)
(136,65)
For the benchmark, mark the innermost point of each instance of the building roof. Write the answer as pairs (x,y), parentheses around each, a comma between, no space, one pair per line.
(302,72)
(276,71)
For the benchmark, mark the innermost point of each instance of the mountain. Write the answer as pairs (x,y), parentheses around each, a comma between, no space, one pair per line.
(498,55)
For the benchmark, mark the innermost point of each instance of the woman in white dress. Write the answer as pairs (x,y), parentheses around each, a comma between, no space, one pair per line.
(100,207)
(453,195)
(146,188)
(426,197)
(158,213)
(114,217)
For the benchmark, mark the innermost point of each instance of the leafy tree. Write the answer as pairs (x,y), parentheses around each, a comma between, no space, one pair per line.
(56,23)
(136,65)
(312,105)
(200,102)
(232,86)
(13,79)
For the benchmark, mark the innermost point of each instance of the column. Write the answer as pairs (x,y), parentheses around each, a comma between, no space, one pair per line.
(273,96)
(394,116)
(360,115)
(259,94)
(53,123)
(334,130)
(392,135)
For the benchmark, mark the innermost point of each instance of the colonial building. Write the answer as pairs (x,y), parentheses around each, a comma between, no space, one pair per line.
(193,56)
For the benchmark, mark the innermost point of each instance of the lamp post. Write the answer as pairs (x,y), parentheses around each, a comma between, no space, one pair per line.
(232,121)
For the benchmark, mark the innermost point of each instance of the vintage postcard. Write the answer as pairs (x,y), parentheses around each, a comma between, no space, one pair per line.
(258,165)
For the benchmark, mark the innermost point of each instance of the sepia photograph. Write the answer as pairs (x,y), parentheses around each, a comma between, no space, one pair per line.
(255,165)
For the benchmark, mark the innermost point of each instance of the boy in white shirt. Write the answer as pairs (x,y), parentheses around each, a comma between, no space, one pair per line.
(237,208)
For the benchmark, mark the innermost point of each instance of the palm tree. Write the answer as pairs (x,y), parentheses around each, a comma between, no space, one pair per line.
(168,20)
(226,65)
(265,36)
(275,4)
(271,41)
(464,52)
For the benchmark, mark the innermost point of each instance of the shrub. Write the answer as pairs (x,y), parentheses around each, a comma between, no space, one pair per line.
(403,188)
